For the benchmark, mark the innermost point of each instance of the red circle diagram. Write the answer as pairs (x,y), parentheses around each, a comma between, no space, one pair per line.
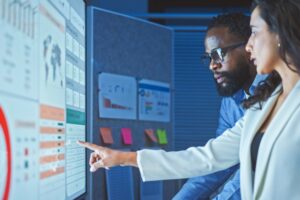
(4,126)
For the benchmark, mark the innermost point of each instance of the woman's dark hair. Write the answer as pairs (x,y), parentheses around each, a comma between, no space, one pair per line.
(282,18)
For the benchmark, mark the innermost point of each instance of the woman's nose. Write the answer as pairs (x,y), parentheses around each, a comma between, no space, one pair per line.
(248,46)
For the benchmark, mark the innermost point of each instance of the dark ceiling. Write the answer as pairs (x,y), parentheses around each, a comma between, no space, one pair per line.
(164,5)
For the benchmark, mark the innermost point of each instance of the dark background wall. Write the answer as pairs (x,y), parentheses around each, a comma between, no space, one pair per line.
(195,101)
(132,47)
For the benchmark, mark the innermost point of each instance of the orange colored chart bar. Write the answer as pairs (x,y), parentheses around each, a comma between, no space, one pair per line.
(51,144)
(53,113)
(52,158)
(52,172)
(52,130)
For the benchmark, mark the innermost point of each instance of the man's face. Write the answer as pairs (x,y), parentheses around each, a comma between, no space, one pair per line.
(233,71)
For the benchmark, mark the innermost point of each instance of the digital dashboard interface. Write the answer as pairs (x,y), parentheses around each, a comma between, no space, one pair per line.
(42,99)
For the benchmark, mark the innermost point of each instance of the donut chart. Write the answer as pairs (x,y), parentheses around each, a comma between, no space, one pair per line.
(4,127)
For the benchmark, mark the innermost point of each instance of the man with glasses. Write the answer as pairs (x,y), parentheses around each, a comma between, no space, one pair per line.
(235,78)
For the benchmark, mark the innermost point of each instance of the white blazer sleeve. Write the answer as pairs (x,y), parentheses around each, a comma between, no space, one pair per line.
(217,154)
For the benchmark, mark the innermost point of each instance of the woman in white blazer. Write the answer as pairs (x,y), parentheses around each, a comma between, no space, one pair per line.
(266,141)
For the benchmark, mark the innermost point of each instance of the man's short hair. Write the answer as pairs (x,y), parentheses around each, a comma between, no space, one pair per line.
(237,23)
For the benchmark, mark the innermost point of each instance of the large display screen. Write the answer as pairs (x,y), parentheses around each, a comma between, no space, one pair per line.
(42,99)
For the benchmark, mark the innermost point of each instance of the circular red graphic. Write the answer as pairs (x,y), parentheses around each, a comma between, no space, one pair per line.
(4,126)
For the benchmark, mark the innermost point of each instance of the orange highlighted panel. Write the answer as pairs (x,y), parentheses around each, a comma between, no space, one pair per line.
(53,113)
(52,158)
(52,172)
(51,144)
(52,130)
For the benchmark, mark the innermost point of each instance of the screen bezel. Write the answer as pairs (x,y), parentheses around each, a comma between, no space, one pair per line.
(83,195)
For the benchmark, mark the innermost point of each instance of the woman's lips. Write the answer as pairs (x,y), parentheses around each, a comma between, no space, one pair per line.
(253,60)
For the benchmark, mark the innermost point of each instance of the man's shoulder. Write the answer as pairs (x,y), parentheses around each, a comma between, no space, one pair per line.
(230,101)
(231,109)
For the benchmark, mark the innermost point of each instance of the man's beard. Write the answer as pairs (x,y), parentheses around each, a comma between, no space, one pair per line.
(234,80)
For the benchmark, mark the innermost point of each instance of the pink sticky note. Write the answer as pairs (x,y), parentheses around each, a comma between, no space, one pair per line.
(126,135)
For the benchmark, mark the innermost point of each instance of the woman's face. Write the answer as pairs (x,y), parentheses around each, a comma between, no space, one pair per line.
(262,44)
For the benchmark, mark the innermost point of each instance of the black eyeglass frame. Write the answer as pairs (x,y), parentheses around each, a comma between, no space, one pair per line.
(219,52)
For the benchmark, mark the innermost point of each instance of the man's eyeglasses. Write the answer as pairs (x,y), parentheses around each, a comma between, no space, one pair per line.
(218,54)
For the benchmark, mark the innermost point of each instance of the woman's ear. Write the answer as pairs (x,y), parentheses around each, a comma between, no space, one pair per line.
(278,41)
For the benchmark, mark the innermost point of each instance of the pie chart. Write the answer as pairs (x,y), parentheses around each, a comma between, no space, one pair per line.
(5,156)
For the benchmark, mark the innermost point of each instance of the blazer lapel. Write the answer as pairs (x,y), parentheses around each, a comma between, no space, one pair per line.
(255,119)
(272,133)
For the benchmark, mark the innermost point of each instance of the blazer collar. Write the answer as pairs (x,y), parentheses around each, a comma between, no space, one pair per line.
(255,120)
(273,132)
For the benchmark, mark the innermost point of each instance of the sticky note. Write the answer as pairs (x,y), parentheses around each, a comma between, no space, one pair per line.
(126,135)
(150,135)
(106,135)
(162,136)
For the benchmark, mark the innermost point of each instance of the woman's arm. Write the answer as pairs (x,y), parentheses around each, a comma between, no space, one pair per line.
(218,154)
(103,157)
